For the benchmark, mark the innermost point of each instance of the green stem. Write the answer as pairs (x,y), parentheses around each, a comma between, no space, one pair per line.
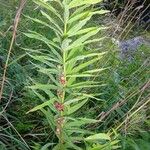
(61,139)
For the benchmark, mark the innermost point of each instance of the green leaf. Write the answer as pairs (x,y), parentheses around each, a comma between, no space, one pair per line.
(48,7)
(52,65)
(95,70)
(92,96)
(41,97)
(99,136)
(76,107)
(43,86)
(85,83)
(50,118)
(83,65)
(70,143)
(76,3)
(78,131)
(82,31)
(43,58)
(87,86)
(100,12)
(39,107)
(66,13)
(79,122)
(80,41)
(50,44)
(65,44)
(47,71)
(46,146)
(78,17)
(40,37)
(79,10)
(85,14)
(46,25)
(93,41)
(88,120)
(78,26)
(82,57)
(74,52)
(80,75)
(74,100)
(52,21)
(50,93)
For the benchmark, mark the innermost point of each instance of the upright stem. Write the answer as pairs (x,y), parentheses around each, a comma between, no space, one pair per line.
(61,138)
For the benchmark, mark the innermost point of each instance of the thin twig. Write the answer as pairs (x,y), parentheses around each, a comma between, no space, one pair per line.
(122,102)
(137,110)
(10,97)
(16,21)
(16,131)
(103,115)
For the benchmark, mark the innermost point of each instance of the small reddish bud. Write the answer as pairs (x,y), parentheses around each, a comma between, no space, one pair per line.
(62,80)
(59,106)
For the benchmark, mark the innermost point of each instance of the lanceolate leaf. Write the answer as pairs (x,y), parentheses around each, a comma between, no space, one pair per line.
(78,17)
(82,31)
(43,58)
(50,118)
(76,107)
(99,136)
(81,40)
(100,12)
(45,24)
(80,75)
(80,122)
(50,44)
(79,10)
(48,7)
(78,26)
(41,97)
(66,15)
(93,41)
(86,14)
(74,100)
(35,35)
(43,86)
(82,57)
(47,71)
(92,96)
(76,3)
(95,70)
(84,83)
(39,107)
(52,21)
(83,65)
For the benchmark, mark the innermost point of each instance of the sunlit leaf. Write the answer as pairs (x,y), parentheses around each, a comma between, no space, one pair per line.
(99,136)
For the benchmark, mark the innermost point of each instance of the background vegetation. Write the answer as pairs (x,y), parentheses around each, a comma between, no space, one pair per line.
(117,114)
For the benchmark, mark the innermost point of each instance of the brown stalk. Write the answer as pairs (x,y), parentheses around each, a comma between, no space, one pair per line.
(16,21)
(103,114)
(122,102)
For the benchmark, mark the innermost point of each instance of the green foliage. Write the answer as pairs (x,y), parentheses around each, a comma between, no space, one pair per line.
(140,142)
(71,80)
(66,63)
